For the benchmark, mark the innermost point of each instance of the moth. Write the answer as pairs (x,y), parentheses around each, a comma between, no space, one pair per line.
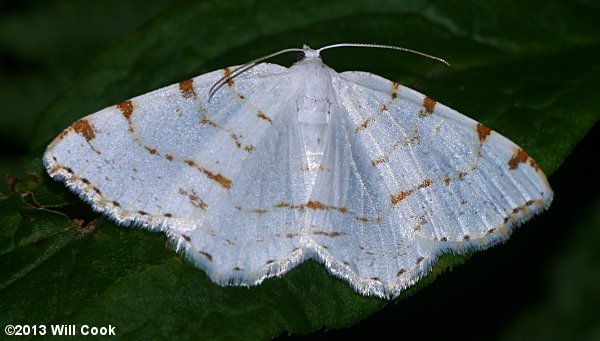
(251,170)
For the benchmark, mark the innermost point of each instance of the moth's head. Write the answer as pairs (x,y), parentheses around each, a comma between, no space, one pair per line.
(307,53)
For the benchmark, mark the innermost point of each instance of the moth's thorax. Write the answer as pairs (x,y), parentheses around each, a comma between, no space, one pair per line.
(314,101)
(314,84)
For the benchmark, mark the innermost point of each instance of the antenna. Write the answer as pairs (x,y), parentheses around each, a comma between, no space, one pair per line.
(389,47)
(242,68)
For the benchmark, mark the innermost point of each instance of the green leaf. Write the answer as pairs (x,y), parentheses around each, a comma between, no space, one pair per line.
(526,70)
(43,44)
(568,306)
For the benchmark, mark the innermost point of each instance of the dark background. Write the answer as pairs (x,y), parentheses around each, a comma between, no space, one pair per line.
(43,45)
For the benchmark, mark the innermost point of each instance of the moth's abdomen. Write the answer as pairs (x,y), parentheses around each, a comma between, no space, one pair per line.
(313,127)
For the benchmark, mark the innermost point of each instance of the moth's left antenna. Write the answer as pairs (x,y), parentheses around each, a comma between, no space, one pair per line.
(242,68)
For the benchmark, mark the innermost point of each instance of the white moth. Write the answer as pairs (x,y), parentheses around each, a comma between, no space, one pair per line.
(252,170)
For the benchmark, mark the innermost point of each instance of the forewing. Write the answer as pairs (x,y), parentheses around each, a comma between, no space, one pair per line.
(202,171)
(420,179)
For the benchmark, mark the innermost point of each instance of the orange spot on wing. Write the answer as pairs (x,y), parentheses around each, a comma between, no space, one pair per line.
(378,160)
(227,73)
(223,181)
(195,200)
(446,180)
(424,184)
(483,132)
(85,129)
(261,115)
(534,164)
(395,90)
(520,157)
(396,198)
(365,124)
(205,121)
(315,205)
(187,88)
(236,139)
(220,179)
(429,105)
(126,108)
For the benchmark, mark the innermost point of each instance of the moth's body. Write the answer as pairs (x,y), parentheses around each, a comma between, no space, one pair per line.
(279,165)
(313,109)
